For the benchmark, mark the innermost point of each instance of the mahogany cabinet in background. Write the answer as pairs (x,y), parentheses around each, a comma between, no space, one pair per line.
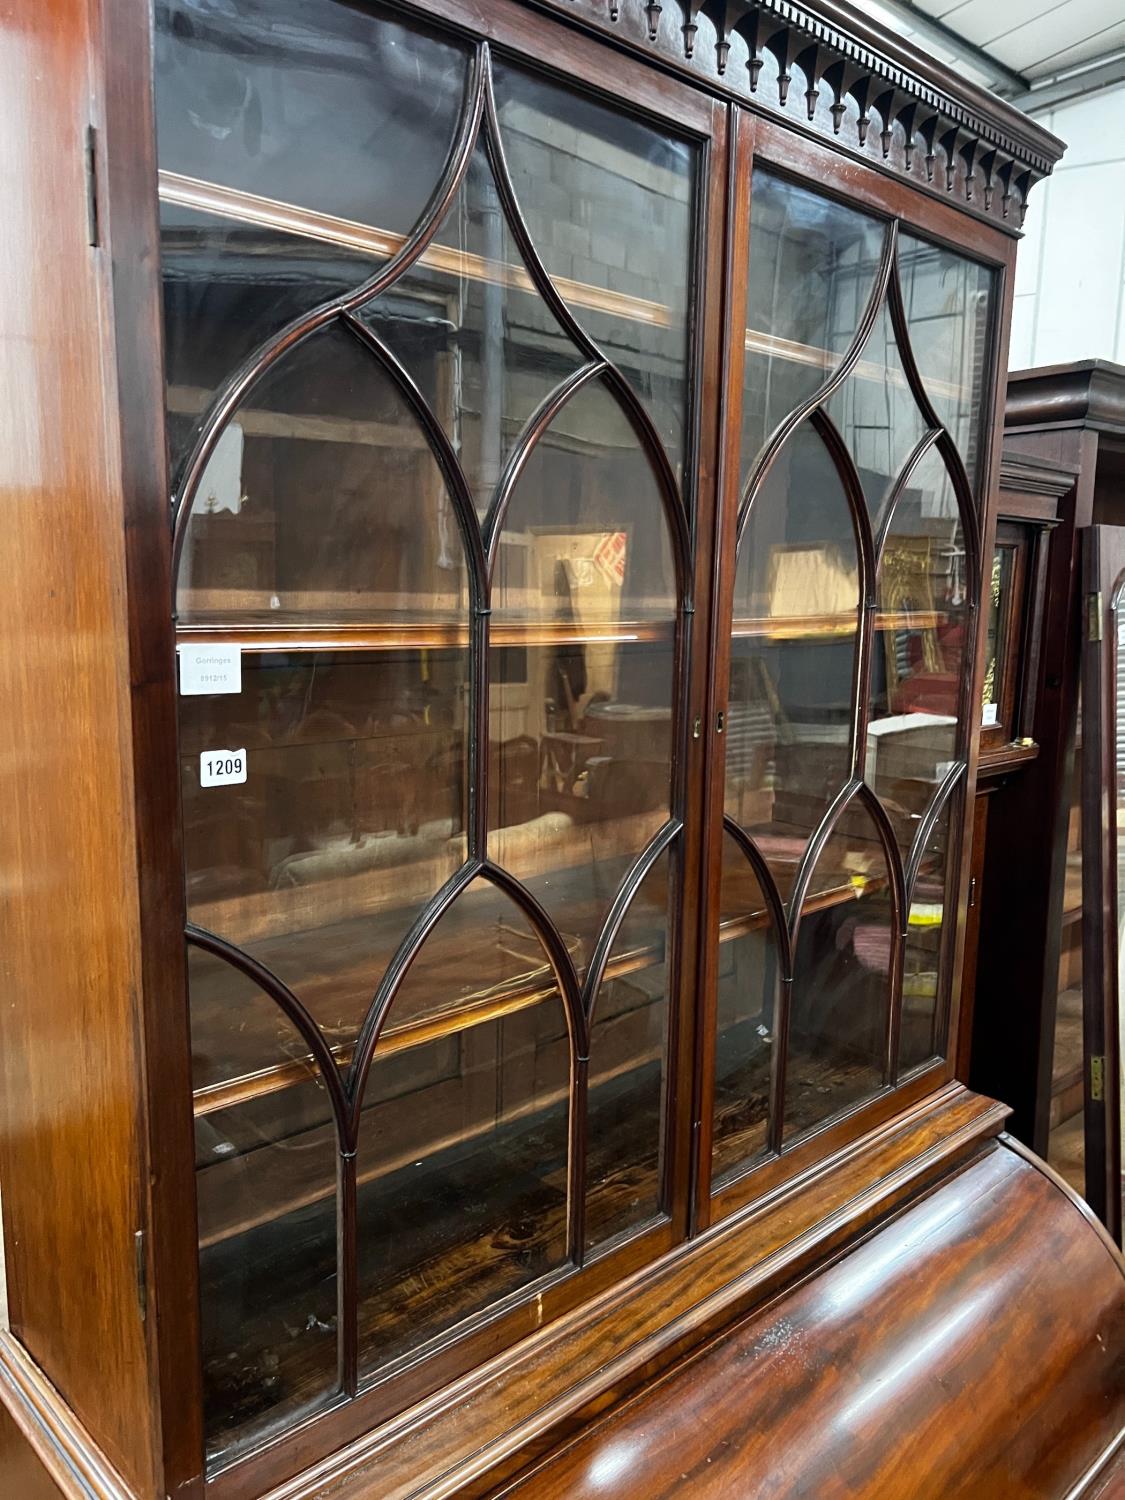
(1043,974)
(499,549)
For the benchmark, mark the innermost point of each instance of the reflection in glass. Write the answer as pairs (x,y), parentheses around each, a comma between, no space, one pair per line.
(322,500)
(252,99)
(585,572)
(608,203)
(628,1063)
(841,978)
(229,286)
(813,264)
(998,606)
(921,649)
(266,1189)
(948,300)
(479,341)
(748,982)
(923,969)
(1066,1141)
(878,417)
(462,1163)
(796,618)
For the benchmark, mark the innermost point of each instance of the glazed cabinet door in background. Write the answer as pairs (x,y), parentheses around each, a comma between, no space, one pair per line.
(856,577)
(431,384)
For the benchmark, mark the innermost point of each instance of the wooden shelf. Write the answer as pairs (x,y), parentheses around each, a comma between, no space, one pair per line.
(831,627)
(250,208)
(772,346)
(245,208)
(519,993)
(406,633)
(418,634)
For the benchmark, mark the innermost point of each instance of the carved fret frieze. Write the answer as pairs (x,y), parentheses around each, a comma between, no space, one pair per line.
(836,70)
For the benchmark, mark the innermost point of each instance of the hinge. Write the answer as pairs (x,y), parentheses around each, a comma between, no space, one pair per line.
(91,185)
(1097,1079)
(142,1272)
(1094,616)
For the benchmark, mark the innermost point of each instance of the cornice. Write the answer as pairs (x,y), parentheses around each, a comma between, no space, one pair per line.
(1035,476)
(945,134)
(1088,393)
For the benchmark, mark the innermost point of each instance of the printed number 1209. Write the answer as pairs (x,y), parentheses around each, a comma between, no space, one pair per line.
(222,767)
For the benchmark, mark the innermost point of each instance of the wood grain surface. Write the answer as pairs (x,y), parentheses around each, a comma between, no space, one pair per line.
(949,1355)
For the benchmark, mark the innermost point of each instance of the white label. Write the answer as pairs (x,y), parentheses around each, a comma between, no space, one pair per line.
(222,767)
(991,715)
(210,669)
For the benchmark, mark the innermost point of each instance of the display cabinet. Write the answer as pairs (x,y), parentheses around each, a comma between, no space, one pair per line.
(1054,1066)
(1018,727)
(517,585)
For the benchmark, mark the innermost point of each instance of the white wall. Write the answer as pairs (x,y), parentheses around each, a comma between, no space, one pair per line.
(1070,270)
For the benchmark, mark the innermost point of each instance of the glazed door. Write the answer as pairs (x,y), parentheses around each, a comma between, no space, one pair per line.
(1103,866)
(846,647)
(433,346)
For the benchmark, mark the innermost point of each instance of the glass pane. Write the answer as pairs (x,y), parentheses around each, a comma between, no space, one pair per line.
(608,204)
(922,648)
(628,1060)
(253,96)
(878,417)
(468,324)
(749,976)
(266,1188)
(1066,1142)
(352,813)
(813,263)
(923,966)
(229,286)
(948,301)
(251,99)
(841,978)
(583,612)
(796,617)
(462,1161)
(323,501)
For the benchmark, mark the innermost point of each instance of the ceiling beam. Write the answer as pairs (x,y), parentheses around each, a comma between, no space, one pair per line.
(1072,83)
(1003,80)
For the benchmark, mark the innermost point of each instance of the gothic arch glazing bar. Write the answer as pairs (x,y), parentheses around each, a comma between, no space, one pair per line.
(242,380)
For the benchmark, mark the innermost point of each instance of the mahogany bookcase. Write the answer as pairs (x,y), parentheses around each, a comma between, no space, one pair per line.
(494,531)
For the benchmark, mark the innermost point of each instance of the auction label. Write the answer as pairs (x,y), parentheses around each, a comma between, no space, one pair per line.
(210,669)
(222,767)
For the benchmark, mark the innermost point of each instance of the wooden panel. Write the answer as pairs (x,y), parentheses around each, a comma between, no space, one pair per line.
(907,1370)
(45,1452)
(70,1156)
(21,1473)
